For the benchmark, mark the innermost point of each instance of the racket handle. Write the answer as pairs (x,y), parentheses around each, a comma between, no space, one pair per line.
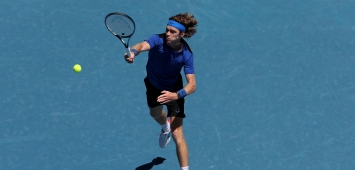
(128,51)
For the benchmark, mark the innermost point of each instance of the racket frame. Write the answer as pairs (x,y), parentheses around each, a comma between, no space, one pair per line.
(126,44)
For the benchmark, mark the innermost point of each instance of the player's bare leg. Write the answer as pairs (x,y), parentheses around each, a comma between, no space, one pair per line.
(158,114)
(178,136)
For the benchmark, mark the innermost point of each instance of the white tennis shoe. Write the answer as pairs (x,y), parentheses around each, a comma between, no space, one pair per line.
(164,138)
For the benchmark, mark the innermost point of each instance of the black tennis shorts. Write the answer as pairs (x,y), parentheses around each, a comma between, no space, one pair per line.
(175,108)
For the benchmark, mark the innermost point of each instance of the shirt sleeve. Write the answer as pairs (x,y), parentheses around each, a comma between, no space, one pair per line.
(189,65)
(153,40)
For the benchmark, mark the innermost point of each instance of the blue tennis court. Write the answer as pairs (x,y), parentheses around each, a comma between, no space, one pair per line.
(275,86)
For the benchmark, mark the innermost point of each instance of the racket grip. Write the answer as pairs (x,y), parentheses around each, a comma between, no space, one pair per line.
(128,51)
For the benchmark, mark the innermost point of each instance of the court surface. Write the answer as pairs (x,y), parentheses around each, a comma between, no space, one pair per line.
(275,86)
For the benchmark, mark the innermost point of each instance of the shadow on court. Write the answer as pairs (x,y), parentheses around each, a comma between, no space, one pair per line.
(148,166)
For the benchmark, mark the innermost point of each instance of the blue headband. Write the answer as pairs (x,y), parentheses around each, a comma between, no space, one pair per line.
(176,25)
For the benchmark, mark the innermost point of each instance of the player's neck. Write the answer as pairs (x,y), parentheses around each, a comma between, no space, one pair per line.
(177,46)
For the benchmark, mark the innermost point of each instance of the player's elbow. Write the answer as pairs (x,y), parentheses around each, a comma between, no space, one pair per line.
(193,88)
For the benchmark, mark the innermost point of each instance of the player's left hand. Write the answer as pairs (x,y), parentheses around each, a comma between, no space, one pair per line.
(167,96)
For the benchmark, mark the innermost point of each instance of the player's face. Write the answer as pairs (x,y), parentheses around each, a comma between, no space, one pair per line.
(173,35)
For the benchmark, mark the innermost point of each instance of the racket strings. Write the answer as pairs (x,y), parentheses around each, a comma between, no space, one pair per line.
(120,25)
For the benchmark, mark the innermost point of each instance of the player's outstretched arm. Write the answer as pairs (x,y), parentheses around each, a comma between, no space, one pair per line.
(140,47)
(135,50)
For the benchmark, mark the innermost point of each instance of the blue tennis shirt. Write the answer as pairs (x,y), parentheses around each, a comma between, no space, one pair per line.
(164,64)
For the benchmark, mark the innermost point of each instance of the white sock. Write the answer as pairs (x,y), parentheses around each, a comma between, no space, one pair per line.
(185,168)
(166,126)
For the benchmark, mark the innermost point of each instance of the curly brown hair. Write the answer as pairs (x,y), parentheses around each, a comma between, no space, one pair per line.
(189,21)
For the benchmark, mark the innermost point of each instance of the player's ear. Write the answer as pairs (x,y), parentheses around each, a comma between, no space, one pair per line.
(182,34)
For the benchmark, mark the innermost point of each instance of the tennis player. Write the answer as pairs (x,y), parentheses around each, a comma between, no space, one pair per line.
(168,54)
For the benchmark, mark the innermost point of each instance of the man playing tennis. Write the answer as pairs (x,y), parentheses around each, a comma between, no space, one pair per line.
(168,54)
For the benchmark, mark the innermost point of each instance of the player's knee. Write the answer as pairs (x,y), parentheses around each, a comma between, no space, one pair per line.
(177,135)
(156,112)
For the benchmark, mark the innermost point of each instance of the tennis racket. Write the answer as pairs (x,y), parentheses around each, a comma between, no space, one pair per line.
(121,26)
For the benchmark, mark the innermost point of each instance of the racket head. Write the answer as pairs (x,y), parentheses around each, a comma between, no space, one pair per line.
(120,24)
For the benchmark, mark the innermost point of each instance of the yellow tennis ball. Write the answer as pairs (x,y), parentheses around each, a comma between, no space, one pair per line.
(77,68)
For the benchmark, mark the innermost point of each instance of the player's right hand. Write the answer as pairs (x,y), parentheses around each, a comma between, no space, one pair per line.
(129,59)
